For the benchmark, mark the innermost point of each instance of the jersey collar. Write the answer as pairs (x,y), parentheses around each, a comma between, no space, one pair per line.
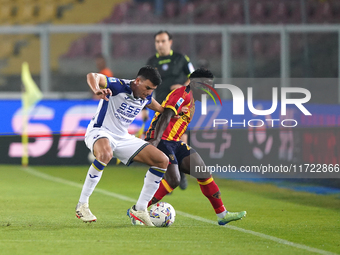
(171,53)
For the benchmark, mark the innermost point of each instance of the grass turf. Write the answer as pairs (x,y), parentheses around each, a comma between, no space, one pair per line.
(37,217)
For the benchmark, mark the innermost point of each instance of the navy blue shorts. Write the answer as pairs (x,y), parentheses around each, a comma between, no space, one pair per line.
(176,151)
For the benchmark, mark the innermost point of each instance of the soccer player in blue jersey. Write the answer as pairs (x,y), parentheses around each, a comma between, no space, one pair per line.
(107,136)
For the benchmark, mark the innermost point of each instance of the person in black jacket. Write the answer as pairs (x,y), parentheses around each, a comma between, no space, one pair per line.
(174,69)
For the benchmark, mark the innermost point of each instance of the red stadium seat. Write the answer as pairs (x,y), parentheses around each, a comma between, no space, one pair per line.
(211,15)
(121,47)
(119,13)
(187,13)
(310,10)
(143,46)
(258,46)
(233,12)
(210,47)
(93,45)
(295,12)
(78,48)
(272,46)
(188,8)
(144,14)
(182,43)
(258,12)
(279,12)
(322,13)
(237,46)
(170,12)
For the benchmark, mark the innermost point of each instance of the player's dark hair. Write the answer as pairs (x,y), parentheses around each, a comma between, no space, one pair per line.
(150,73)
(163,32)
(201,73)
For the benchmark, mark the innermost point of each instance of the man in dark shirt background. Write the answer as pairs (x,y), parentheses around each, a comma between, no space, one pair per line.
(174,69)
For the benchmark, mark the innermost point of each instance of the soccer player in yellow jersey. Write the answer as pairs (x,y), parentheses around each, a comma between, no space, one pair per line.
(165,131)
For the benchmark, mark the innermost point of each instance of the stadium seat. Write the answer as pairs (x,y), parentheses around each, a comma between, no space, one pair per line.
(47,11)
(258,45)
(232,12)
(25,48)
(7,12)
(258,12)
(143,46)
(310,10)
(295,15)
(237,46)
(279,12)
(322,13)
(170,11)
(210,46)
(336,11)
(187,13)
(93,45)
(6,46)
(144,14)
(182,43)
(121,46)
(272,46)
(78,48)
(210,14)
(27,12)
(119,13)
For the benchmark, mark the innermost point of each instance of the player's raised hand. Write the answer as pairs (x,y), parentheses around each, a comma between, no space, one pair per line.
(102,93)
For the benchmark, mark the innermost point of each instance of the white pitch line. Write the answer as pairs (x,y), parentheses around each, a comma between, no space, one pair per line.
(128,199)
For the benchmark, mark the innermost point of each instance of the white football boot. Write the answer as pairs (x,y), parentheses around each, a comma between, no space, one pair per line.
(141,216)
(83,212)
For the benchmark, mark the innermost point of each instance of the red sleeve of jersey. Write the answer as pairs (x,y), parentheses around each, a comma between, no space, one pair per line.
(176,100)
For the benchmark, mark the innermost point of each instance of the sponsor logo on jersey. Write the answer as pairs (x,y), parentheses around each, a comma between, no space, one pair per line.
(179,102)
(111,79)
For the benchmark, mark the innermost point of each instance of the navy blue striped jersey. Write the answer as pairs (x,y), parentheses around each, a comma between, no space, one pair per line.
(122,108)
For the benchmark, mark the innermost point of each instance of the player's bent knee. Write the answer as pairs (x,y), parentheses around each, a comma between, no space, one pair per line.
(104,156)
(162,160)
(173,182)
(165,161)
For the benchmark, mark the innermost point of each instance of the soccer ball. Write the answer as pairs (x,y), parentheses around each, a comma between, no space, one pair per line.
(162,214)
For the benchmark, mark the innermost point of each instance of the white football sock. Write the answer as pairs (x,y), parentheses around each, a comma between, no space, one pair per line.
(92,178)
(152,180)
(222,214)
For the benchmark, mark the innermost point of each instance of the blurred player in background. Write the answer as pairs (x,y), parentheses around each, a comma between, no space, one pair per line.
(102,68)
(107,136)
(174,69)
(165,131)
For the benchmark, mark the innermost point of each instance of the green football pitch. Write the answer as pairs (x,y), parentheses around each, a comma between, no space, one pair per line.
(37,216)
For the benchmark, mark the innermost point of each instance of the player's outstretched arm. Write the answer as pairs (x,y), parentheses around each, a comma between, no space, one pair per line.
(154,105)
(162,124)
(97,83)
